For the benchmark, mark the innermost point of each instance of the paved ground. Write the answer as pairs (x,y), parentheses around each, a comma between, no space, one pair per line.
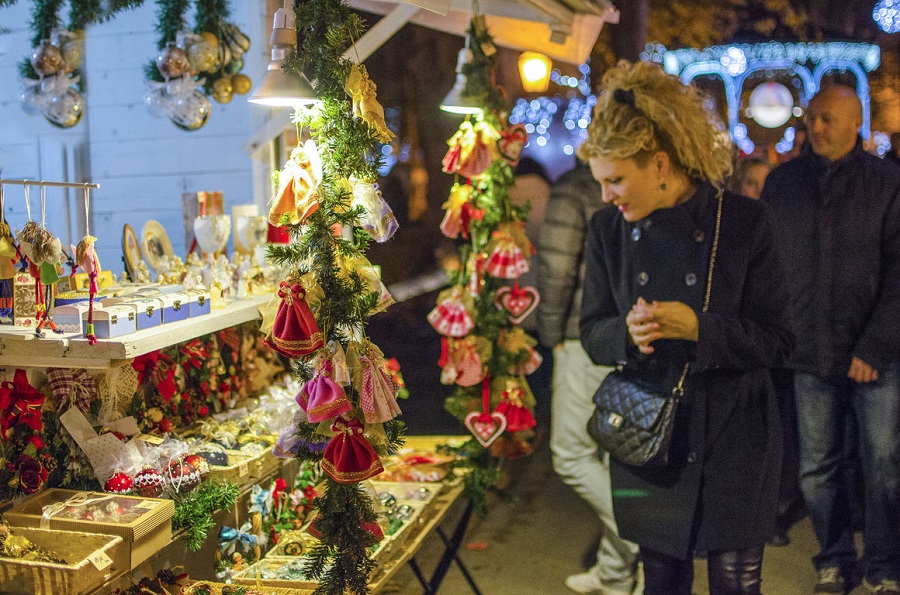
(527,546)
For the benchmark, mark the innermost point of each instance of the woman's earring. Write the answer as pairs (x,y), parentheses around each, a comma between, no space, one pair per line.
(662,186)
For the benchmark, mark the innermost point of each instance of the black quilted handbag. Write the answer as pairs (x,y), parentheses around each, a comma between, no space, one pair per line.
(633,420)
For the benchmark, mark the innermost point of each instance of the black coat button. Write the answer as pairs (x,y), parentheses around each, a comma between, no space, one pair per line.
(692,457)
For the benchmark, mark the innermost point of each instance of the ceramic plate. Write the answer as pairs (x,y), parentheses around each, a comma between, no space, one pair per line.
(155,243)
(131,249)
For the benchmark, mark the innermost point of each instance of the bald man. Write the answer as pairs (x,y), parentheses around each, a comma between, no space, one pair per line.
(837,216)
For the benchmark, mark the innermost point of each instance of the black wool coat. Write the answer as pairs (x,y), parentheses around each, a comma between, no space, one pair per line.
(720,488)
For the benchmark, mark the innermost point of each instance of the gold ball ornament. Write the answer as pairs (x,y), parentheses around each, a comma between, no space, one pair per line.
(223,89)
(203,56)
(73,53)
(46,59)
(172,61)
(210,38)
(241,83)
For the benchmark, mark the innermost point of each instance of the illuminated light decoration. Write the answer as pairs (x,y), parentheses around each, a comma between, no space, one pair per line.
(807,62)
(456,101)
(887,15)
(882,143)
(771,104)
(534,68)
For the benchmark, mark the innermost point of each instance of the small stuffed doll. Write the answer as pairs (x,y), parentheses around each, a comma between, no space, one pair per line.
(86,258)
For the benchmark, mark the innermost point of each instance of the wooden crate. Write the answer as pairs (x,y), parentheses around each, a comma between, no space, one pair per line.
(80,575)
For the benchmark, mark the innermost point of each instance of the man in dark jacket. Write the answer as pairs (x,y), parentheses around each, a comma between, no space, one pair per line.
(837,213)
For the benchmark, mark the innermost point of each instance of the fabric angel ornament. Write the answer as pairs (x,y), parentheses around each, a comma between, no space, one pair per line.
(361,90)
(452,224)
(521,347)
(377,392)
(298,186)
(377,218)
(294,332)
(452,316)
(461,360)
(321,397)
(509,251)
(514,401)
(349,458)
(470,149)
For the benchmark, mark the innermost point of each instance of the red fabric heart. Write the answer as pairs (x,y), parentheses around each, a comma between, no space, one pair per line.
(518,301)
(486,427)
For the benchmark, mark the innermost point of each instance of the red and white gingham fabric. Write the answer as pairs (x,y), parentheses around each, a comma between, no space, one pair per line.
(506,261)
(450,318)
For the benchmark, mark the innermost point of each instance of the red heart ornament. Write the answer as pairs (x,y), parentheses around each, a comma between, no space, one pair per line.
(486,427)
(512,142)
(519,302)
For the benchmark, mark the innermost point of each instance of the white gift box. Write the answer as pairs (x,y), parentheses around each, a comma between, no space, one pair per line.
(148,311)
(113,321)
(175,306)
(198,302)
(69,318)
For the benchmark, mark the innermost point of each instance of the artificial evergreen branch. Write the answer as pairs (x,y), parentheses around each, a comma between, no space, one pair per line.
(194,512)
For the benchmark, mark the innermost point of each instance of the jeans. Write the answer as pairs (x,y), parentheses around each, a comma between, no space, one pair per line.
(736,572)
(575,459)
(824,411)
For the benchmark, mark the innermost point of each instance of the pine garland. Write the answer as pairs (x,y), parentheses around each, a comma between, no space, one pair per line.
(346,144)
(490,196)
(170,20)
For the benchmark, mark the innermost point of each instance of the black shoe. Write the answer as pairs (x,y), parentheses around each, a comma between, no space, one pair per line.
(830,580)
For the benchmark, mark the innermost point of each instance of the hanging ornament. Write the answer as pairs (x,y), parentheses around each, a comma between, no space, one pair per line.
(199,463)
(349,457)
(452,316)
(241,83)
(295,332)
(172,61)
(223,89)
(149,483)
(182,476)
(71,44)
(512,406)
(30,97)
(156,100)
(190,111)
(202,56)
(298,186)
(64,109)
(321,397)
(119,483)
(365,105)
(46,59)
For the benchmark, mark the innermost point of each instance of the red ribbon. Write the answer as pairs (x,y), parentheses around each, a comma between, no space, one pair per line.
(20,403)
(160,370)
(486,399)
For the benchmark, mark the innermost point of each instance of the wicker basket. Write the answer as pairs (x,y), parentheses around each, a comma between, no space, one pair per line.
(78,576)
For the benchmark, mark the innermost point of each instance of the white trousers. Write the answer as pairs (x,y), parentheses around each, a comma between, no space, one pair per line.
(575,459)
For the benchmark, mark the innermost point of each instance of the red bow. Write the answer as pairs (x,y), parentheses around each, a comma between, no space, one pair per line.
(196,354)
(159,369)
(20,403)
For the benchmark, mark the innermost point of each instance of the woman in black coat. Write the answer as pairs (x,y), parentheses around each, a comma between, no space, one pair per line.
(661,160)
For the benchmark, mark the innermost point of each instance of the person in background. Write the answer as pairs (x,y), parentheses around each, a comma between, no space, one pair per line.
(531,188)
(661,160)
(749,176)
(575,198)
(837,214)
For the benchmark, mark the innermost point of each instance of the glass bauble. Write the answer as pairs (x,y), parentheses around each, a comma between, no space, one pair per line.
(149,483)
(202,56)
(241,84)
(191,111)
(223,89)
(65,109)
(172,61)
(119,483)
(157,102)
(31,100)
(73,53)
(46,59)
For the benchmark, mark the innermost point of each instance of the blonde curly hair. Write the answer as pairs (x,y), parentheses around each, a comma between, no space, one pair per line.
(642,110)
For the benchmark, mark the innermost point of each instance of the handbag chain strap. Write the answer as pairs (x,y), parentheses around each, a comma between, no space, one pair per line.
(678,391)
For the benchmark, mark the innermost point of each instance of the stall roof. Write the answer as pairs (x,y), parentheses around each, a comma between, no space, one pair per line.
(565,30)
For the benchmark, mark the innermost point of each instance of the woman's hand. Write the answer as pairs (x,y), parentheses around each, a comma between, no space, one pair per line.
(648,322)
